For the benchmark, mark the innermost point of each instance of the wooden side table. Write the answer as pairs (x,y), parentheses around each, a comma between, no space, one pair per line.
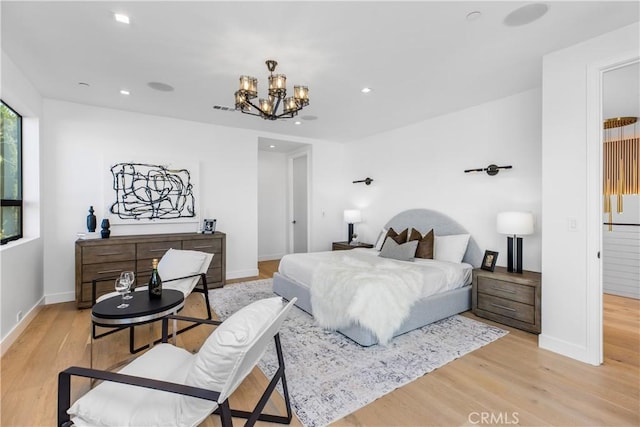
(512,299)
(345,246)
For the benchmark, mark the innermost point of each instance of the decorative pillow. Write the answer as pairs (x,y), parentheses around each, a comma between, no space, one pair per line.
(450,248)
(178,263)
(219,356)
(425,243)
(399,238)
(403,252)
(380,240)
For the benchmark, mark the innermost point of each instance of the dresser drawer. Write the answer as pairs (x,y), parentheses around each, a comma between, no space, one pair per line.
(508,308)
(507,290)
(156,249)
(106,270)
(212,246)
(108,253)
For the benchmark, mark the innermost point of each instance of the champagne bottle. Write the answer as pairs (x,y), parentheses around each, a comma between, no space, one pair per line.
(155,282)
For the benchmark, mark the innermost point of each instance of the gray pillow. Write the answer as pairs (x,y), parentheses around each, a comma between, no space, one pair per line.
(403,252)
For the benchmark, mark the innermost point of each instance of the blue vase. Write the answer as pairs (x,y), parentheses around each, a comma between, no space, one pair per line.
(91,220)
(105,232)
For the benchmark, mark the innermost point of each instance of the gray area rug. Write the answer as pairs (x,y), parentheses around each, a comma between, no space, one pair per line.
(330,376)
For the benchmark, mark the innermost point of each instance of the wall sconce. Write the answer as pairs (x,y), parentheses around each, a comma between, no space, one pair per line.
(491,169)
(367,181)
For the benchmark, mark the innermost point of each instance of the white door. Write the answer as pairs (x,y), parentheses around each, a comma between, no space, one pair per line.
(299,225)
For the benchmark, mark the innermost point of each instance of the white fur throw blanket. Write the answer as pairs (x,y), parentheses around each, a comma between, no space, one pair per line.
(376,294)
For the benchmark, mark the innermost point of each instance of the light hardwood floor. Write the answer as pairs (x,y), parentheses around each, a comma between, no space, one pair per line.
(510,381)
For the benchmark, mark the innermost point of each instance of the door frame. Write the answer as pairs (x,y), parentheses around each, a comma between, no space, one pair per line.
(594,312)
(306,151)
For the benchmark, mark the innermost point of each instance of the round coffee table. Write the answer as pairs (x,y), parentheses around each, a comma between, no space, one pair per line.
(141,310)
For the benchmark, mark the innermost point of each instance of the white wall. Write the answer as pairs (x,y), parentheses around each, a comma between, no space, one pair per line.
(21,274)
(568,293)
(79,138)
(422,166)
(272,205)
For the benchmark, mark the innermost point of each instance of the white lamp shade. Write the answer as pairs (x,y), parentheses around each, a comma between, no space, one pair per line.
(352,216)
(515,223)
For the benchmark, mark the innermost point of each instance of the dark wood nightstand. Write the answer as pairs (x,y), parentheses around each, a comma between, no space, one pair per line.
(509,298)
(345,246)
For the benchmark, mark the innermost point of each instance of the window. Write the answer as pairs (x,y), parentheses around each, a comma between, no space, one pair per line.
(10,173)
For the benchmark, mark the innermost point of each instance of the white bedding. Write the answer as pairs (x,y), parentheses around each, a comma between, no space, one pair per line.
(438,276)
(358,286)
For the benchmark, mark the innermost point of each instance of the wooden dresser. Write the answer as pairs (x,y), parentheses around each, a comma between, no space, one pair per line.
(509,298)
(106,258)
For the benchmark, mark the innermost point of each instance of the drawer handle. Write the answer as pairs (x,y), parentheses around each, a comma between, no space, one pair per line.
(503,307)
(109,271)
(508,291)
(111,253)
(203,247)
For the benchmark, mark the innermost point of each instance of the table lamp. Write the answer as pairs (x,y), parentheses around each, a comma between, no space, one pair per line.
(352,216)
(514,224)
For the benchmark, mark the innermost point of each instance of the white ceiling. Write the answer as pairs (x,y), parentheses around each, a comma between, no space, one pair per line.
(422,59)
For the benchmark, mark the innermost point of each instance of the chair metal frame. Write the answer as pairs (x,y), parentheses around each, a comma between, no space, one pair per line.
(203,290)
(224,410)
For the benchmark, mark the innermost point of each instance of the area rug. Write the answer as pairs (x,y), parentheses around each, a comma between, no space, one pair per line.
(330,376)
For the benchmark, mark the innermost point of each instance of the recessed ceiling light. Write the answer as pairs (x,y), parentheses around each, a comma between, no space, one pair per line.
(124,92)
(83,84)
(272,146)
(121,18)
(366,90)
(526,14)
(473,16)
(298,122)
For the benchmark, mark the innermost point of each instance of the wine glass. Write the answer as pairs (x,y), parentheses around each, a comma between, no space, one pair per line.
(122,286)
(129,277)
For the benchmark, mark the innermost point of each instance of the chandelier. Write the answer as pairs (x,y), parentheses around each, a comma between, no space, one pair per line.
(267,108)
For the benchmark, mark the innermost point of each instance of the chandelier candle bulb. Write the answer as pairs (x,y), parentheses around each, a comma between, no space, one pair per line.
(266,106)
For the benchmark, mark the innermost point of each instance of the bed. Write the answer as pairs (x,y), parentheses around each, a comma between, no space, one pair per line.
(296,272)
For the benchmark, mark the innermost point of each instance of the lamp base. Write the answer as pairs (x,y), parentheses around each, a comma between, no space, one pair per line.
(514,259)
(350,232)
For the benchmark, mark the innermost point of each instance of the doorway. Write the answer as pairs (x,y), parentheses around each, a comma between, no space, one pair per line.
(299,202)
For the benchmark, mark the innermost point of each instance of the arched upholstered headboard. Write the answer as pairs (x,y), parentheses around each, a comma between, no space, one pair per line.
(425,219)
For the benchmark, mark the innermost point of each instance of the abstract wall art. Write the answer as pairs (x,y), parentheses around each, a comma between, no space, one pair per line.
(152,192)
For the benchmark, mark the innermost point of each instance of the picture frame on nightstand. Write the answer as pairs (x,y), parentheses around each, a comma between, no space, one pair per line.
(489,260)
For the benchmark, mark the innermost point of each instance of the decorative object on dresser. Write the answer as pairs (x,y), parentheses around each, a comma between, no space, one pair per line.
(489,260)
(351,216)
(345,246)
(109,257)
(515,224)
(508,298)
(91,220)
(105,232)
(209,226)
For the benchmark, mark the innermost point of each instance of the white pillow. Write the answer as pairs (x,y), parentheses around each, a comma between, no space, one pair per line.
(381,237)
(219,357)
(178,263)
(450,248)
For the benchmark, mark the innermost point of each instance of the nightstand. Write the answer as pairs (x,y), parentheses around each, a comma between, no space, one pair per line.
(345,246)
(509,298)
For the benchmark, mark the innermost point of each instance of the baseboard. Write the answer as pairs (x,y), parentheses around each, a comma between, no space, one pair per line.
(61,297)
(270,257)
(565,348)
(17,330)
(241,274)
